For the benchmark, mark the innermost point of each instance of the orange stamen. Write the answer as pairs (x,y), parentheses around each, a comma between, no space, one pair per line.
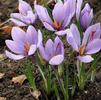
(56,25)
(82,50)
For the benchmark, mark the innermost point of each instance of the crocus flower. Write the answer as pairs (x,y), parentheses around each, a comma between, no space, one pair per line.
(25,16)
(91,42)
(53,52)
(85,16)
(61,15)
(24,43)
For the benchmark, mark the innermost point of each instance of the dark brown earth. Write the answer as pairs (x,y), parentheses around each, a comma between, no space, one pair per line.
(13,91)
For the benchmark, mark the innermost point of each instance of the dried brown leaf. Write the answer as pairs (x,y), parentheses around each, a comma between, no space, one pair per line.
(6,29)
(36,94)
(2,57)
(19,79)
(2,98)
(1,75)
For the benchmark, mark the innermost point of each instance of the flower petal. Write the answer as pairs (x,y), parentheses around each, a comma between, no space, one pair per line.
(94,46)
(62,32)
(85,59)
(58,46)
(13,56)
(14,46)
(58,12)
(86,16)
(18,34)
(43,14)
(78,9)
(71,40)
(43,54)
(31,16)
(24,7)
(76,34)
(56,60)
(17,22)
(49,48)
(39,38)
(32,35)
(48,26)
(32,49)
(69,6)
(88,33)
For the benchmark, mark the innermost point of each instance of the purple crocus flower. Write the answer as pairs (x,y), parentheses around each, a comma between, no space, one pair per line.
(85,16)
(91,42)
(25,16)
(24,43)
(53,52)
(61,15)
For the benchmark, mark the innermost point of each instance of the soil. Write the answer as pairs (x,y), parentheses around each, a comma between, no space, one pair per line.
(13,91)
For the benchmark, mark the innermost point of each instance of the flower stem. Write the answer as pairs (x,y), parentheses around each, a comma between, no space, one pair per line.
(61,84)
(39,65)
(81,75)
(29,73)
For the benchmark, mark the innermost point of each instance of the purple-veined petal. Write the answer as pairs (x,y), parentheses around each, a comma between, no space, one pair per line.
(58,46)
(49,48)
(17,22)
(13,56)
(71,40)
(69,6)
(86,8)
(32,49)
(76,34)
(48,26)
(56,60)
(88,33)
(24,7)
(31,16)
(14,46)
(97,34)
(85,59)
(58,12)
(94,46)
(32,35)
(43,53)
(86,16)
(72,4)
(43,14)
(78,9)
(19,19)
(18,34)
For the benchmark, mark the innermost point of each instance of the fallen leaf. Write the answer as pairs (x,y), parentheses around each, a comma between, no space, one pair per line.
(2,98)
(19,79)
(2,57)
(1,75)
(6,29)
(36,94)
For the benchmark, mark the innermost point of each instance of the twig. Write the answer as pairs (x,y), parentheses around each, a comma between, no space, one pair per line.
(4,22)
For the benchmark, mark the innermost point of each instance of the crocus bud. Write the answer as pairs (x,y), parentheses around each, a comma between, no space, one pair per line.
(86,16)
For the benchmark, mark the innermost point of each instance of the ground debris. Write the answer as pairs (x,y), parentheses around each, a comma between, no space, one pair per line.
(2,98)
(19,79)
(1,75)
